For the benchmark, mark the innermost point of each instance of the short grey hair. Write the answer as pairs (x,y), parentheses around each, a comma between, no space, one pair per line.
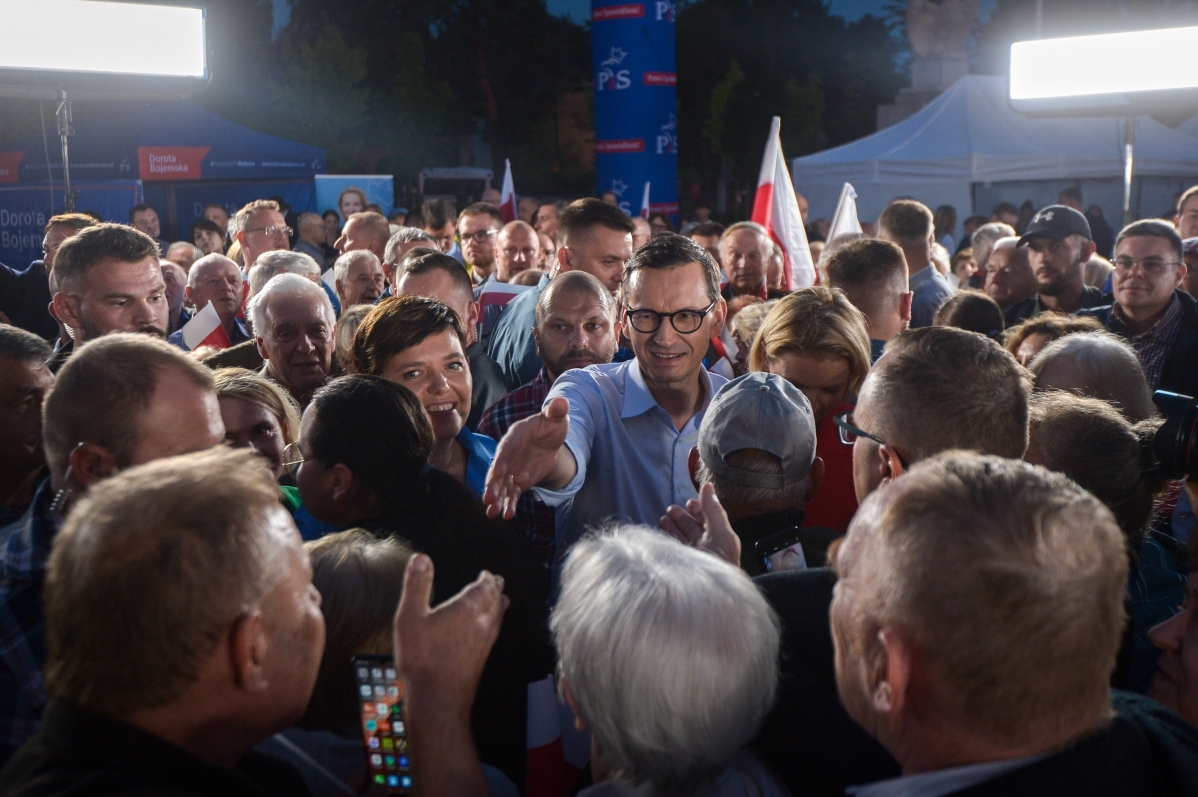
(193,277)
(988,236)
(753,460)
(654,640)
(749,225)
(404,236)
(342,264)
(289,285)
(281,261)
(1109,368)
(190,247)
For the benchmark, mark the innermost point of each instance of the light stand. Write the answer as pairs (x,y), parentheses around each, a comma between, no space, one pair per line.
(63,114)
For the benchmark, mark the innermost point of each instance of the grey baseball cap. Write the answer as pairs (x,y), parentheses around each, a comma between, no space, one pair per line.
(763,411)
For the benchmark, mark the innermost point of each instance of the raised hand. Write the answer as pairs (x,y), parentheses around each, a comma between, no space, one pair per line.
(530,453)
(439,656)
(704,524)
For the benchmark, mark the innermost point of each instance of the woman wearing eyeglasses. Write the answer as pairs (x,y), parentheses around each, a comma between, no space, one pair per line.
(259,414)
(816,340)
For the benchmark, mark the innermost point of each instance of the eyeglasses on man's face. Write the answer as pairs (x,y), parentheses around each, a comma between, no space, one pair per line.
(684,322)
(1152,266)
(480,237)
(272,230)
(849,432)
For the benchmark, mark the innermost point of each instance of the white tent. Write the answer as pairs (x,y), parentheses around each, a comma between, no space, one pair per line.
(969,149)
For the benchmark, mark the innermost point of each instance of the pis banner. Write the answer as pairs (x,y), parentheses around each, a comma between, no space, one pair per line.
(636,128)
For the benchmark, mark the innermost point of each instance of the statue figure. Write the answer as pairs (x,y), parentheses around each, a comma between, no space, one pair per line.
(938,28)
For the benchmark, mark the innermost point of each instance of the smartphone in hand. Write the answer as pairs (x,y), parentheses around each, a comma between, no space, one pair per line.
(380,698)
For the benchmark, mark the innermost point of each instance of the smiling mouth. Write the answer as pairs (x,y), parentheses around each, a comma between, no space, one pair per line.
(438,408)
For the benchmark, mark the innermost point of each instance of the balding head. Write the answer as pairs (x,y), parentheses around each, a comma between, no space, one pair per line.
(517,249)
(575,323)
(366,230)
(979,608)
(1009,275)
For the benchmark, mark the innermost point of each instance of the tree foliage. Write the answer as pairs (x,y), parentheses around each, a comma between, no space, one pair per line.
(741,62)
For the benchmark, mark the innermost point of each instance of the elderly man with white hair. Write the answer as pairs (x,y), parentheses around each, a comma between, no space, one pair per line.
(359,278)
(672,671)
(293,324)
(217,280)
(1096,364)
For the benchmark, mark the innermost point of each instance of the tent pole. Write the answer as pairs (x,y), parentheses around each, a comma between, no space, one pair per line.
(64,129)
(1129,126)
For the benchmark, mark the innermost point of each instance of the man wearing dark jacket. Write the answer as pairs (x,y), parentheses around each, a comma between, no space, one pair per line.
(982,659)
(1157,317)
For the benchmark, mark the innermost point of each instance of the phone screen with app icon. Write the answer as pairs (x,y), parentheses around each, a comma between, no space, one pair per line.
(380,697)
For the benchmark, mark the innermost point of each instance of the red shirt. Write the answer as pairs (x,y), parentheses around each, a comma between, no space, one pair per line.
(836,501)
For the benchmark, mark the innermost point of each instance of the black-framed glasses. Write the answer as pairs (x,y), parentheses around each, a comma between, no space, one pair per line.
(292,459)
(272,230)
(683,321)
(482,236)
(849,433)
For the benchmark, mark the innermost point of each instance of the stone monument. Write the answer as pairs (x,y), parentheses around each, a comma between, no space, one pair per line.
(939,32)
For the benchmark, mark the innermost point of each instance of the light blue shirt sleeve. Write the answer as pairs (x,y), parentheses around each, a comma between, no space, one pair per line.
(583,398)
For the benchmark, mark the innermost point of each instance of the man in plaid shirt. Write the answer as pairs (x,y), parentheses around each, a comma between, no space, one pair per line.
(118,402)
(574,329)
(1151,311)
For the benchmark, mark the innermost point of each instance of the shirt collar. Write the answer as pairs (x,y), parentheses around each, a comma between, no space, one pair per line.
(1171,316)
(637,398)
(468,441)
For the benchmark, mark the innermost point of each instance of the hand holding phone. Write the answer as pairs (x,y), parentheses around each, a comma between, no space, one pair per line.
(380,698)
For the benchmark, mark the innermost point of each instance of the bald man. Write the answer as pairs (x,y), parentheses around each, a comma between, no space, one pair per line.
(367,230)
(217,280)
(517,249)
(311,237)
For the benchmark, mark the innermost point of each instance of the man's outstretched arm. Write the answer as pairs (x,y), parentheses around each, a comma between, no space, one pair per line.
(533,453)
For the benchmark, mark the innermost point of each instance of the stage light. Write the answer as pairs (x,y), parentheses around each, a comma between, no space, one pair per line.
(1106,64)
(88,36)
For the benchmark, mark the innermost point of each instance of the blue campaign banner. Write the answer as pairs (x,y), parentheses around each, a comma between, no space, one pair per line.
(379,190)
(24,211)
(636,130)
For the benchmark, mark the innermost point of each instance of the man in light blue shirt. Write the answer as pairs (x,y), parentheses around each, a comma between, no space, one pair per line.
(594,237)
(612,441)
(908,224)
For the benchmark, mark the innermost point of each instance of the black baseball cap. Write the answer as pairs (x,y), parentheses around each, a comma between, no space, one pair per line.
(1057,222)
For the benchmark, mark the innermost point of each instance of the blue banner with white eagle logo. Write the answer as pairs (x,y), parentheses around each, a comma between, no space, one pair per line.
(636,127)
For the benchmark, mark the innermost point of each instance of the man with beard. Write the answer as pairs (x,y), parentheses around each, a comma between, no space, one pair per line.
(109,280)
(1059,244)
(216,279)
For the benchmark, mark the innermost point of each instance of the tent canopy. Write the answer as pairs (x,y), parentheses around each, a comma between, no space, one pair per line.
(970,135)
(168,141)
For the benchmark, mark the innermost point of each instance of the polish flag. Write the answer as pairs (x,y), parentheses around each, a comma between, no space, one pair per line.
(645,203)
(507,197)
(556,752)
(204,329)
(777,209)
(845,220)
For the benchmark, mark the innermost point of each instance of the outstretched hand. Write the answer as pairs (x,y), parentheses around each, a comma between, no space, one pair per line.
(527,456)
(704,524)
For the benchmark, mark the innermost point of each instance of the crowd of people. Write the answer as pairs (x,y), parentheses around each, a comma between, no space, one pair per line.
(913,530)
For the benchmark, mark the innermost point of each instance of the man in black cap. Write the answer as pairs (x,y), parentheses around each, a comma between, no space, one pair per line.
(1059,244)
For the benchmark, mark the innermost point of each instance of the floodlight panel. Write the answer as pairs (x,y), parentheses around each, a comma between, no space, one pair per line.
(1111,63)
(89,36)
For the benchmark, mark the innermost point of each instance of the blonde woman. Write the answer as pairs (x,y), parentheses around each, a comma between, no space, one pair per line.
(816,340)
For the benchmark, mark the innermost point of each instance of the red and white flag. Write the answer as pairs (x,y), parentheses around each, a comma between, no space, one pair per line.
(777,209)
(205,329)
(645,203)
(507,196)
(556,752)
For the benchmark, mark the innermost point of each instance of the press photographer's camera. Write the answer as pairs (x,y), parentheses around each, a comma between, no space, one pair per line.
(1174,441)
